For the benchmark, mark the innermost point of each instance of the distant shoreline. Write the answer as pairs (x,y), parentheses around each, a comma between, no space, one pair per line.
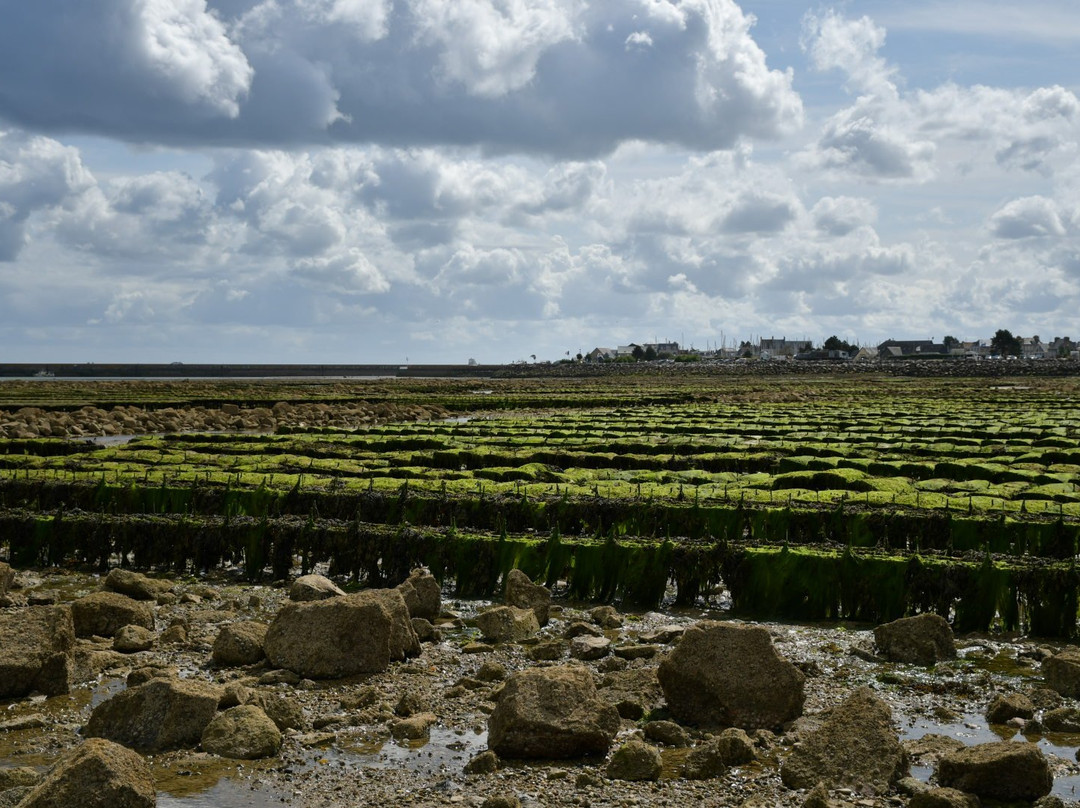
(26,371)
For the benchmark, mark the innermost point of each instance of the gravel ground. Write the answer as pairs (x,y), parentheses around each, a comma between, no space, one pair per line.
(344,754)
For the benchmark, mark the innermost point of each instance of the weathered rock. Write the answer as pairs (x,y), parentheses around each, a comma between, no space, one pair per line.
(1009,705)
(928,749)
(818,797)
(1062,672)
(491,672)
(135,585)
(855,747)
(19,777)
(35,651)
(105,613)
(314,587)
(285,712)
(636,651)
(735,746)
(667,732)
(724,674)
(1049,801)
(909,786)
(140,676)
(943,798)
(501,801)
(732,747)
(414,727)
(921,640)
(589,648)
(1063,719)
(99,774)
(411,703)
(635,760)
(523,593)
(30,721)
(579,628)
(551,713)
(634,692)
(160,715)
(132,639)
(606,617)
(422,593)
(1002,770)
(548,651)
(7,578)
(425,631)
(507,624)
(704,762)
(487,762)
(13,796)
(1044,698)
(242,733)
(239,643)
(664,635)
(358,633)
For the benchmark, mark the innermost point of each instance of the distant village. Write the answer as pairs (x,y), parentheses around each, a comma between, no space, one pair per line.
(1002,346)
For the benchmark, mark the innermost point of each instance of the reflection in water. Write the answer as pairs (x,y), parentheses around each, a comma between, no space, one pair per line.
(972,729)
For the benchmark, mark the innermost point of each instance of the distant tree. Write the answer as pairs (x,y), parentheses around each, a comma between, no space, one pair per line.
(834,343)
(650,354)
(1005,344)
(950,343)
(638,352)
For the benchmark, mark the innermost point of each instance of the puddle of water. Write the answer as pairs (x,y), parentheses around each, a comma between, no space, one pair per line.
(443,749)
(972,729)
(205,780)
(227,793)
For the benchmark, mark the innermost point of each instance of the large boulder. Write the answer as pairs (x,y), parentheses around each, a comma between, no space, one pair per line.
(921,640)
(99,774)
(314,587)
(7,578)
(239,644)
(105,613)
(422,593)
(855,747)
(1002,770)
(242,733)
(724,674)
(342,636)
(551,713)
(507,624)
(134,584)
(523,593)
(35,651)
(1062,672)
(160,715)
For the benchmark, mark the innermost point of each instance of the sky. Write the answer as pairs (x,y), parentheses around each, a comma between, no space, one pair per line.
(370,181)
